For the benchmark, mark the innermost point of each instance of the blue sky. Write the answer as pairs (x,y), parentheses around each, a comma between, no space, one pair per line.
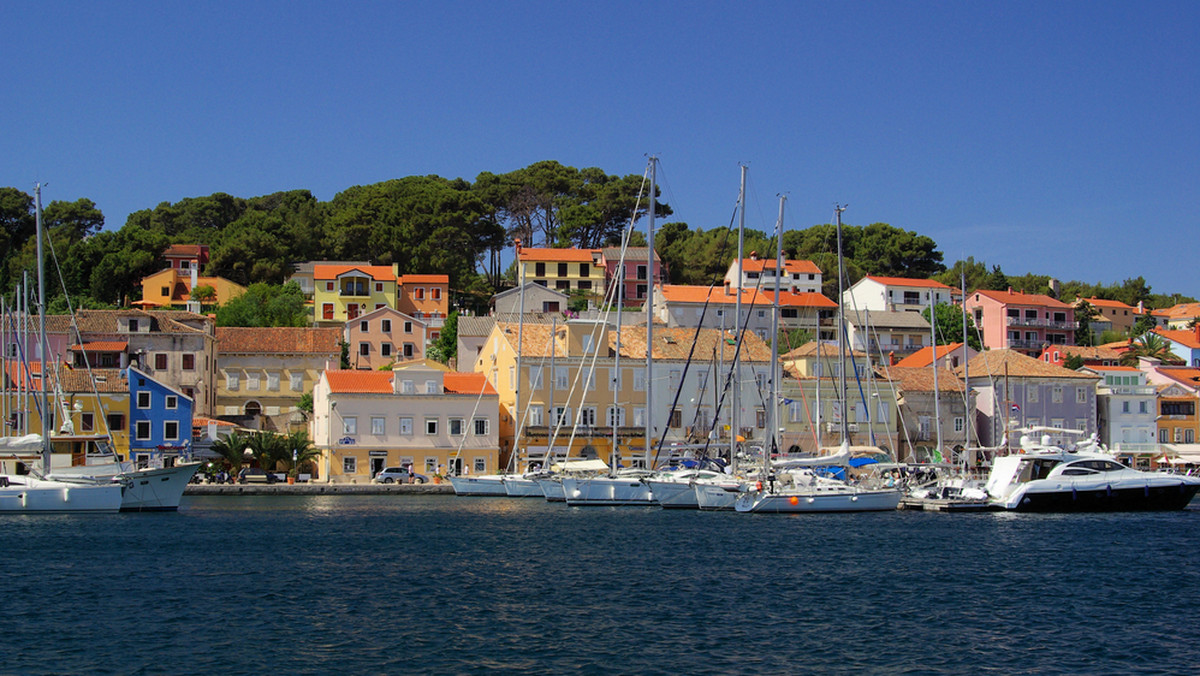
(1059,138)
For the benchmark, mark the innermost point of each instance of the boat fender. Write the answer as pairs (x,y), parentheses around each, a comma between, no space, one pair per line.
(1146,490)
(1108,491)
(1021,452)
(758,485)
(1074,494)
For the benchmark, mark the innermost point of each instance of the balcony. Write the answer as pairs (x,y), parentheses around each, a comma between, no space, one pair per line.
(1043,323)
(354,292)
(1021,344)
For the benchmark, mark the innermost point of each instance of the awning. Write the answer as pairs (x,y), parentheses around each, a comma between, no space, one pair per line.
(103,346)
(1188,453)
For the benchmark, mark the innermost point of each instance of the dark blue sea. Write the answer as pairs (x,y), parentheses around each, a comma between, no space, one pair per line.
(438,584)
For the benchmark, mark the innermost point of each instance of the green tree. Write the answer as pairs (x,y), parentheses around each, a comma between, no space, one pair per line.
(268,449)
(446,344)
(232,449)
(1073,361)
(305,405)
(265,305)
(1143,324)
(1085,314)
(204,294)
(1149,345)
(949,326)
(298,452)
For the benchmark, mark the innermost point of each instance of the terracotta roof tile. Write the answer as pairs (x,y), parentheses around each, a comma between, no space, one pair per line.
(680,293)
(1102,302)
(921,379)
(376,272)
(669,343)
(796,267)
(360,382)
(1016,298)
(924,356)
(1184,337)
(103,346)
(467,383)
(903,281)
(278,340)
(424,279)
(997,363)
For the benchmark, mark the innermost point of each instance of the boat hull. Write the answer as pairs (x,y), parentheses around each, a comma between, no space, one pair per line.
(1130,499)
(478,486)
(673,494)
(156,490)
(33,496)
(552,490)
(819,502)
(606,492)
(520,487)
(715,498)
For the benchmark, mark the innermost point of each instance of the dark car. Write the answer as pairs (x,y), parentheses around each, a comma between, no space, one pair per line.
(254,475)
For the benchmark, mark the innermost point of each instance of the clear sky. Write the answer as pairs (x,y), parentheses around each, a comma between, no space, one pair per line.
(1058,138)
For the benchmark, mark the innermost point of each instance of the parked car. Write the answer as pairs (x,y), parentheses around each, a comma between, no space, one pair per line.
(400,475)
(254,475)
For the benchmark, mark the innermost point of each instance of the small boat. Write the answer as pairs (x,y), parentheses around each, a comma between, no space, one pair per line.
(480,485)
(1048,478)
(25,493)
(521,486)
(677,490)
(626,487)
(148,489)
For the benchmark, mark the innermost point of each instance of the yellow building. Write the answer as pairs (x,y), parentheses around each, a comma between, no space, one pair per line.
(172,287)
(344,292)
(565,270)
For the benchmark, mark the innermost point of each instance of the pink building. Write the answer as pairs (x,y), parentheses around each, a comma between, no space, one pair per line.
(637,272)
(383,337)
(1025,322)
(186,256)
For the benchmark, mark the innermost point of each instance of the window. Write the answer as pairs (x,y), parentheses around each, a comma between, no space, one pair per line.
(133,325)
(1031,394)
(170,430)
(587,416)
(1162,436)
(639,417)
(142,430)
(160,362)
(1125,407)
(364,349)
(172,401)
(639,380)
(456,427)
(409,349)
(480,465)
(143,400)
(273,382)
(614,380)
(327,309)
(407,387)
(115,422)
(1189,436)
(431,387)
(86,422)
(385,325)
(378,287)
(1056,394)
(406,426)
(385,349)
(958,423)
(378,426)
(431,465)
(431,426)
(231,381)
(1178,435)
(252,380)
(435,293)
(364,326)
(1142,407)
(408,327)
(350,425)
(481,426)
(296,381)
(1080,395)
(535,416)
(675,419)
(419,293)
(350,465)
(561,377)
(760,418)
(673,377)
(189,362)
(560,415)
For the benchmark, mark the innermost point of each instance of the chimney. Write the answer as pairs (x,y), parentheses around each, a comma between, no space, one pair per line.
(1141,308)
(892,358)
(753,255)
(1010,289)
(517,242)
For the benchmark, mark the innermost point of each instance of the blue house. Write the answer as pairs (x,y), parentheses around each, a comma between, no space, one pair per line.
(160,422)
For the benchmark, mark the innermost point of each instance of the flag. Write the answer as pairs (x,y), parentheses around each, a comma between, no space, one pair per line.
(1015,408)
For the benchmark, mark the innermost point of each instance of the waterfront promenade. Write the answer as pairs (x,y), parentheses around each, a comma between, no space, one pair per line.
(319,489)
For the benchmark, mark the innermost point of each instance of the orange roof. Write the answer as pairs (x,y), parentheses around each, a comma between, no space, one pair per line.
(1184,337)
(558,255)
(360,382)
(103,346)
(1017,298)
(424,279)
(1101,302)
(198,421)
(184,250)
(794,267)
(924,356)
(467,383)
(1187,375)
(680,293)
(376,272)
(278,340)
(903,281)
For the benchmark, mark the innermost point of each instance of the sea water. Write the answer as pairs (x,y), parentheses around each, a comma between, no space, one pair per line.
(438,584)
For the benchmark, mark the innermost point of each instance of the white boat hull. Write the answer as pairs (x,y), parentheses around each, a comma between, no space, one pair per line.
(153,489)
(712,497)
(552,490)
(520,487)
(27,495)
(800,502)
(673,494)
(606,491)
(482,485)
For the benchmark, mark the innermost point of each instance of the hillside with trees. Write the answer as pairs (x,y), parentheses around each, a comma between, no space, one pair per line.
(431,224)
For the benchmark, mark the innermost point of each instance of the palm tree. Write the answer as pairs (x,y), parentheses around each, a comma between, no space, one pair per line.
(1148,345)
(267,448)
(302,451)
(232,449)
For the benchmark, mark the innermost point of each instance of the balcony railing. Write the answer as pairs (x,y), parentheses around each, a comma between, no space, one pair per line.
(1044,323)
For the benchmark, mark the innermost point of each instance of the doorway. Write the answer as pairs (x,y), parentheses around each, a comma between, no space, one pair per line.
(377,466)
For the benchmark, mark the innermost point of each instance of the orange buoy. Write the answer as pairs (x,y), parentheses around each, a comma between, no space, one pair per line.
(794,500)
(758,485)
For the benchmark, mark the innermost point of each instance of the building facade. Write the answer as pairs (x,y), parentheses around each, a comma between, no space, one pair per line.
(1026,322)
(264,373)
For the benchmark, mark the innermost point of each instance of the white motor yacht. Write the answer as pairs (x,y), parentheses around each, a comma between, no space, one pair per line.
(1047,478)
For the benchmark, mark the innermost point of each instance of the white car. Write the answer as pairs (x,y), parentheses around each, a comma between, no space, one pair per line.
(398,475)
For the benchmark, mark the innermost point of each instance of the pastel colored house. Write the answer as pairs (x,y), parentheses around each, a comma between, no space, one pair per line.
(417,415)
(933,424)
(799,276)
(538,298)
(637,272)
(1178,387)
(1179,316)
(886,335)
(895,294)
(1021,321)
(1099,355)
(565,270)
(302,273)
(678,305)
(344,292)
(383,337)
(949,356)
(1184,343)
(160,422)
(186,257)
(1118,315)
(1015,391)
(172,287)
(264,372)
(426,298)
(1126,407)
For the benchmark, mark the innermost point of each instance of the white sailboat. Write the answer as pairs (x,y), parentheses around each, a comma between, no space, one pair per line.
(23,493)
(797,489)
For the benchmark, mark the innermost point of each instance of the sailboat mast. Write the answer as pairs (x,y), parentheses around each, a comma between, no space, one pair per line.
(937,413)
(736,402)
(962,275)
(517,385)
(615,378)
(44,352)
(649,414)
(841,327)
(773,407)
